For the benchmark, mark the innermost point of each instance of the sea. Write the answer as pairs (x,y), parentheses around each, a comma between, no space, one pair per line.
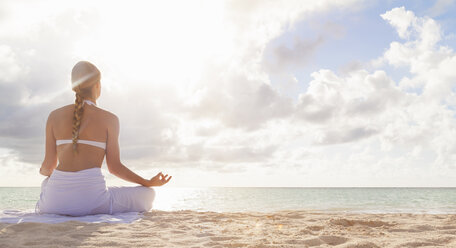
(259,199)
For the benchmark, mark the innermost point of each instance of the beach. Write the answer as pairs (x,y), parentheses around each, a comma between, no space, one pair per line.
(281,123)
(242,229)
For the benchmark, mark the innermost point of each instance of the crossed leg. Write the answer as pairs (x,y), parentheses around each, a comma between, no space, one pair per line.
(131,199)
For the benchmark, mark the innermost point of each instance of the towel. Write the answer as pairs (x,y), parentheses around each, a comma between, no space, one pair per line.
(20,216)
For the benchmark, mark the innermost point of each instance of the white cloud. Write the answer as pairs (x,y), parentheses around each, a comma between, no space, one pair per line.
(9,65)
(422,35)
(401,19)
(440,7)
(428,120)
(296,56)
(192,99)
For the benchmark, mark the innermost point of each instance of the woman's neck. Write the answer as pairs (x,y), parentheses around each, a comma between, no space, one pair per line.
(90,99)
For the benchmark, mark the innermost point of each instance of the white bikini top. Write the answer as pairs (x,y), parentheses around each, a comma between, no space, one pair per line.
(102,145)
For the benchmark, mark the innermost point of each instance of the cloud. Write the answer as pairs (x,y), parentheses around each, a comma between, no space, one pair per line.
(362,107)
(237,101)
(291,51)
(440,7)
(331,98)
(34,69)
(344,135)
(219,111)
(9,65)
(429,118)
(429,62)
(402,20)
(424,34)
(298,55)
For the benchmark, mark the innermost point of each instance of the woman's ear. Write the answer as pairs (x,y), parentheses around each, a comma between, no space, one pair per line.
(99,88)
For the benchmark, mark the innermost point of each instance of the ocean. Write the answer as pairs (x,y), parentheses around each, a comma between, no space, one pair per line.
(257,199)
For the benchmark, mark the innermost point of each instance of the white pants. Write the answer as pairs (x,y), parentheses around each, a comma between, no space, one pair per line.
(84,192)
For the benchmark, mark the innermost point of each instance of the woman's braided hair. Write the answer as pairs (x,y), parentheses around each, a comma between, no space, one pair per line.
(83,77)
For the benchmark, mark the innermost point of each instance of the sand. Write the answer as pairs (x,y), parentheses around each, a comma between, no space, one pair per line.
(209,229)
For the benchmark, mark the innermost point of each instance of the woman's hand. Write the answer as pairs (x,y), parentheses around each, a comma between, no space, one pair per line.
(45,172)
(158,180)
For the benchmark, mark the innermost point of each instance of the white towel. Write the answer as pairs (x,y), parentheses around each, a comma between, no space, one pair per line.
(29,215)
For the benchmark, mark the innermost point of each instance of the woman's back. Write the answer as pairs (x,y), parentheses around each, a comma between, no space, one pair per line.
(94,127)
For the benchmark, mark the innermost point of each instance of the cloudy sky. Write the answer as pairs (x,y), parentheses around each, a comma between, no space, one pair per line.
(242,93)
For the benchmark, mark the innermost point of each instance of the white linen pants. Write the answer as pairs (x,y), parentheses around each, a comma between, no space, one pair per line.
(84,192)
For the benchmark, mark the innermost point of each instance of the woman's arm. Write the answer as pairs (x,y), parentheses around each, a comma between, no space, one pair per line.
(116,168)
(50,157)
(128,175)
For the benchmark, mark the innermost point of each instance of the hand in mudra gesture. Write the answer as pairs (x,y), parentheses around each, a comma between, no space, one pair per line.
(159,180)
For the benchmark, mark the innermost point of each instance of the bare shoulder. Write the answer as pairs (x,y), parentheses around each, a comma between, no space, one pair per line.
(110,117)
(66,110)
(60,111)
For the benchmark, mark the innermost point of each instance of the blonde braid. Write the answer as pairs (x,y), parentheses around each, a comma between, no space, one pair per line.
(78,111)
(84,77)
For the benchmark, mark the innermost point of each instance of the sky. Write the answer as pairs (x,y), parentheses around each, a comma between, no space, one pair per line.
(242,93)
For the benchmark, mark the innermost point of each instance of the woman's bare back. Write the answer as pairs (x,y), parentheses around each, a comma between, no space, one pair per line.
(94,127)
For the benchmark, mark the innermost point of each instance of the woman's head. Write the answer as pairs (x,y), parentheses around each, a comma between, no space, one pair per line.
(85,81)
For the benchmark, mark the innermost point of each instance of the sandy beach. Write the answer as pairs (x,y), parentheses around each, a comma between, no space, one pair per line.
(210,229)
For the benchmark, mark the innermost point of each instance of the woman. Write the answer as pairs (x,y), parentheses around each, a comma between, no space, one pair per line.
(79,136)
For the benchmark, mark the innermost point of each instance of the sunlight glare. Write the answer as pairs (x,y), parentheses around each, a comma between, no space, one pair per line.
(171,44)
